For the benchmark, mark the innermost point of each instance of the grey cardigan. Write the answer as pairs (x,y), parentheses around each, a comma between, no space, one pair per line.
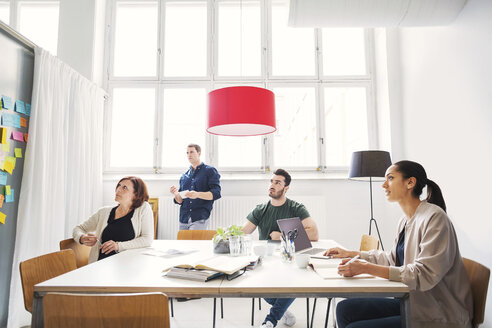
(433,269)
(142,221)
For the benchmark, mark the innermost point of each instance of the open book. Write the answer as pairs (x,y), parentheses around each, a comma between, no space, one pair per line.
(193,274)
(328,268)
(220,263)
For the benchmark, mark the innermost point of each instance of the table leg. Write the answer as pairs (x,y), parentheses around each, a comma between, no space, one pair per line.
(405,311)
(37,311)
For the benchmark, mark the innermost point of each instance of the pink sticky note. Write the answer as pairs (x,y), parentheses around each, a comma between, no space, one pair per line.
(17,135)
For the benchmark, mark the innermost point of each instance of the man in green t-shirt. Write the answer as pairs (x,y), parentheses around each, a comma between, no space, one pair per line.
(265,217)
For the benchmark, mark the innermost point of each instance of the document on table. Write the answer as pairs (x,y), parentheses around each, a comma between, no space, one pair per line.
(328,269)
(171,252)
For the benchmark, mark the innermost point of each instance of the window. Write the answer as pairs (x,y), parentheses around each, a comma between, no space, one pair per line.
(5,12)
(38,21)
(166,56)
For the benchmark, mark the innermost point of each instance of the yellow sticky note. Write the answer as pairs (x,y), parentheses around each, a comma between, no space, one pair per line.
(7,190)
(3,136)
(8,166)
(6,147)
(2,218)
(18,152)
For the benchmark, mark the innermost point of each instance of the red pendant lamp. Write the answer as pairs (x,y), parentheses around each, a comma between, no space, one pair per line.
(241,111)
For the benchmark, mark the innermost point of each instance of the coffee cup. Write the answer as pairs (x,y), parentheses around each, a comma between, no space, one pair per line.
(302,260)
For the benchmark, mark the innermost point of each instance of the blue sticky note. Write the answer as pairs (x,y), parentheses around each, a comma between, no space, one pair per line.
(10,198)
(3,178)
(19,107)
(28,109)
(7,102)
(11,120)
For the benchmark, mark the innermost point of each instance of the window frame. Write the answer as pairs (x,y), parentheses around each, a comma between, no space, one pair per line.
(212,80)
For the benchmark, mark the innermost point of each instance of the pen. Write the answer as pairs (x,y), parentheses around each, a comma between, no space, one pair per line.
(353,259)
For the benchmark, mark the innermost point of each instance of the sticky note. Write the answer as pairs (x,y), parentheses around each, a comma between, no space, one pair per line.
(2,197)
(10,198)
(3,135)
(7,190)
(7,102)
(23,122)
(28,110)
(2,218)
(25,137)
(8,166)
(6,147)
(18,152)
(18,136)
(19,107)
(10,159)
(3,178)
(11,120)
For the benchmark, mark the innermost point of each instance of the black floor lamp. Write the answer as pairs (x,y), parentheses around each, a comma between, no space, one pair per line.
(370,165)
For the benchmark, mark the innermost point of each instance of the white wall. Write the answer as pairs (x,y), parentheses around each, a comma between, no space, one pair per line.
(446,83)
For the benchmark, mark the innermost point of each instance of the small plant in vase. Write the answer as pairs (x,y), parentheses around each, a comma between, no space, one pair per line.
(221,238)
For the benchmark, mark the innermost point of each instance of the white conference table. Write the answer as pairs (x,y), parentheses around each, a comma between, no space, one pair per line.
(133,272)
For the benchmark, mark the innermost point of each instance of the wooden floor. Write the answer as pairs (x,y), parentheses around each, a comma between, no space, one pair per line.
(237,313)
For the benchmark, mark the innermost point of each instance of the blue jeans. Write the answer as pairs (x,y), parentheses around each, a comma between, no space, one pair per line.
(197,225)
(279,306)
(369,313)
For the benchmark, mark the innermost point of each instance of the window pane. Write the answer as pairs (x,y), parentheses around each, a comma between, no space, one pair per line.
(39,23)
(240,152)
(185,39)
(345,124)
(343,51)
(135,45)
(295,138)
(183,123)
(292,48)
(132,131)
(4,12)
(239,39)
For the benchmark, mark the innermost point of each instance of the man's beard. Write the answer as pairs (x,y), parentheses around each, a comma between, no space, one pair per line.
(276,195)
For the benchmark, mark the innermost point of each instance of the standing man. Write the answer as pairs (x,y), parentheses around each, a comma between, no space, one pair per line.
(265,217)
(202,185)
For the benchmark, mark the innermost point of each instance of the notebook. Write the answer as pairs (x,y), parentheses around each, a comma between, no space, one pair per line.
(303,245)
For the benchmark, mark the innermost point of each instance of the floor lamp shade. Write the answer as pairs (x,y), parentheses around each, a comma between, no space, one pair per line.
(369,164)
(241,111)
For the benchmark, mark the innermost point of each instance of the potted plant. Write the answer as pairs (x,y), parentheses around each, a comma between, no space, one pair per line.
(221,238)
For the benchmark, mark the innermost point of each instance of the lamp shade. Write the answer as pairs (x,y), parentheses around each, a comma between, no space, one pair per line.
(369,164)
(241,111)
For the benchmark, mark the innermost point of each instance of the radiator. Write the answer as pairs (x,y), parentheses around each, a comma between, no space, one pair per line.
(232,210)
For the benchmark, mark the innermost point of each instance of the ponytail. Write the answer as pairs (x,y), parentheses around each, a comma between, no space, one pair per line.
(434,194)
(410,169)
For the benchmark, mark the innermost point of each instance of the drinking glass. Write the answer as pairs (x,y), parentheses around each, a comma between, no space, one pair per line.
(234,245)
(246,245)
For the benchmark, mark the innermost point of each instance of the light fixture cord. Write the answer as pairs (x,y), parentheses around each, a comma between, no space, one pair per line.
(241,38)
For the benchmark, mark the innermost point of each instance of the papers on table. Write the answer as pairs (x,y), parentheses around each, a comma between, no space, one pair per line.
(168,252)
(328,269)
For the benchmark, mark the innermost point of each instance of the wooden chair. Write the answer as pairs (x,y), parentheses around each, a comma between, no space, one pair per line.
(154,202)
(367,243)
(199,235)
(105,310)
(42,268)
(81,251)
(479,276)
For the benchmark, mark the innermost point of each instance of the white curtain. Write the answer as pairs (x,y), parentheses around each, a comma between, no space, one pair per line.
(62,180)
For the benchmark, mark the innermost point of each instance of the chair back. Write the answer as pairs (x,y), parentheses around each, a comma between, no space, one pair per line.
(196,234)
(105,310)
(479,276)
(81,251)
(42,268)
(368,243)
(154,202)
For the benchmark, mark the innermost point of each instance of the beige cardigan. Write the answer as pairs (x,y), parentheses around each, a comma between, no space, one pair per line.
(142,221)
(440,294)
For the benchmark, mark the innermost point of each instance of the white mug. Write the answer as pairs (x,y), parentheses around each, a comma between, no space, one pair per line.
(302,260)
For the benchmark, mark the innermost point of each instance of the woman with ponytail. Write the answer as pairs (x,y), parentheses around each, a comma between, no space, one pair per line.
(425,256)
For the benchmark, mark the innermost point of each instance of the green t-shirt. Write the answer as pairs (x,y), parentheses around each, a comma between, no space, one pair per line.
(265,216)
